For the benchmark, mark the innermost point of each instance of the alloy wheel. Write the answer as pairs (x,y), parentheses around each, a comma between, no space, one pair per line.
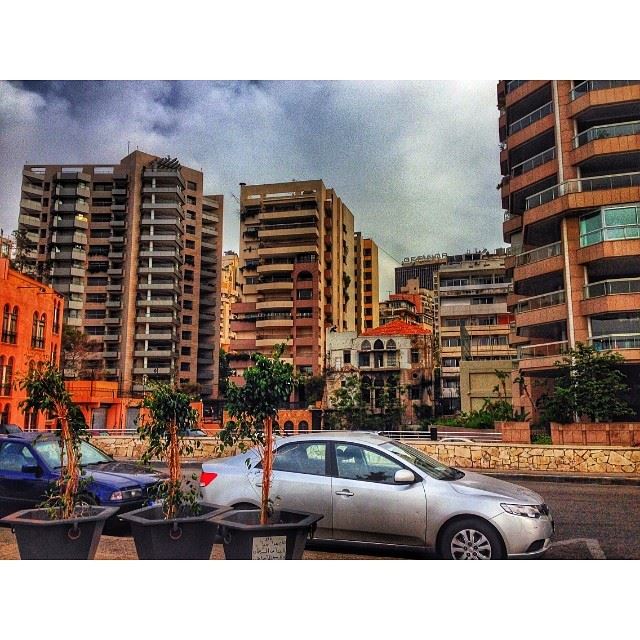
(470,544)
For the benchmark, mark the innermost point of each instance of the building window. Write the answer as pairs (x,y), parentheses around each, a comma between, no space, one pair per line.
(304,294)
(415,356)
(482,300)
(187,304)
(365,346)
(192,186)
(9,325)
(364,359)
(346,357)
(37,331)
(610,223)
(186,320)
(185,351)
(6,376)
(186,335)
(185,366)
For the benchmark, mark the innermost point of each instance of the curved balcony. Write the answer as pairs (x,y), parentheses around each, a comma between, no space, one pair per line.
(542,309)
(274,304)
(546,259)
(512,223)
(276,285)
(541,356)
(607,296)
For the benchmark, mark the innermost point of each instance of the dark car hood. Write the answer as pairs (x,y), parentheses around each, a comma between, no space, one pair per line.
(122,474)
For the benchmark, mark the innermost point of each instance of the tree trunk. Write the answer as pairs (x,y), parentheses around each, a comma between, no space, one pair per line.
(174,469)
(267,467)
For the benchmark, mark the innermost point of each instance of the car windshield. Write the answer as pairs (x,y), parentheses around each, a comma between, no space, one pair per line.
(50,452)
(421,460)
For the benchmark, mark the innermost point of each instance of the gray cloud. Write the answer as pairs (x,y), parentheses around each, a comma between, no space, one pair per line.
(416,162)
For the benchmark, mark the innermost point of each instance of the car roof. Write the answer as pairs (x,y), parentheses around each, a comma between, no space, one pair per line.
(365,437)
(29,436)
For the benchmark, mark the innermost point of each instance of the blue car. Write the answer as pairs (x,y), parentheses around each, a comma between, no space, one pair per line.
(30,465)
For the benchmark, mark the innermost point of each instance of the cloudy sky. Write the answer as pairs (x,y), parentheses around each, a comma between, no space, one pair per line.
(415,161)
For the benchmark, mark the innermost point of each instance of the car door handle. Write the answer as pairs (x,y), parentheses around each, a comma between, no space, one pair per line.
(344,492)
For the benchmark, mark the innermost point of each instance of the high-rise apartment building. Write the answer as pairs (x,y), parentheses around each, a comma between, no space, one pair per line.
(570,161)
(413,305)
(367,282)
(135,248)
(424,268)
(473,320)
(229,295)
(296,272)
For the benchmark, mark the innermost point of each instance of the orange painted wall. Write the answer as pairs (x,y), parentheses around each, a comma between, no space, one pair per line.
(29,296)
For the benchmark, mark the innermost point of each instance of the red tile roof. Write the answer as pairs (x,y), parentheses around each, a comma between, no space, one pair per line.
(398,328)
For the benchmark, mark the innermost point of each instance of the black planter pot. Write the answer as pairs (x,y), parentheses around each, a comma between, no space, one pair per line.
(77,538)
(186,537)
(282,538)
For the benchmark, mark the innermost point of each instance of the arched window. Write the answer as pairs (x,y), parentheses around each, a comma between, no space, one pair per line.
(8,375)
(304,276)
(56,317)
(4,387)
(54,355)
(13,326)
(34,330)
(6,323)
(303,425)
(391,345)
(288,426)
(5,416)
(378,345)
(365,346)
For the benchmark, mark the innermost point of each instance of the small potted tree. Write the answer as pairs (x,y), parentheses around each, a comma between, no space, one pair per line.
(64,528)
(177,527)
(267,533)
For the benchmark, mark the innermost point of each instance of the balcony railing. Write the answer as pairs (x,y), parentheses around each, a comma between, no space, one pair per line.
(530,118)
(613,181)
(544,350)
(607,131)
(508,215)
(612,287)
(594,85)
(540,302)
(616,341)
(533,162)
(541,253)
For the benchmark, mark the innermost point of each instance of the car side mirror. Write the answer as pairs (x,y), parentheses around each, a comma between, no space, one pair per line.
(404,476)
(32,468)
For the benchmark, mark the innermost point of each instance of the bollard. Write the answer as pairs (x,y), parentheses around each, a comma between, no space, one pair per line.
(434,433)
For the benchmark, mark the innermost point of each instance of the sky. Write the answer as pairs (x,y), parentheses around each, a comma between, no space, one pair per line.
(415,161)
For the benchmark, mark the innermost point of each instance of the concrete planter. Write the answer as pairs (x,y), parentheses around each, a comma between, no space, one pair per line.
(515,432)
(610,434)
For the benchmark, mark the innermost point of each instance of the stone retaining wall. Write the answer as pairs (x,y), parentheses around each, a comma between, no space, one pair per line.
(499,457)
(626,434)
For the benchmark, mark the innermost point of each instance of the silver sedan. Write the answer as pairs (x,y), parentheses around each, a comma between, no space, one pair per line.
(374,490)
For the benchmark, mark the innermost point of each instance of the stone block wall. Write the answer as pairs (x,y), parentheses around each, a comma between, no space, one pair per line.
(512,457)
(498,457)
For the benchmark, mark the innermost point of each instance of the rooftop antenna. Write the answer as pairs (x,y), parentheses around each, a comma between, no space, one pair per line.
(128,145)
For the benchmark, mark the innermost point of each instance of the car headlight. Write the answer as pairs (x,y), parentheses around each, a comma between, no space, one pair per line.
(116,495)
(526,510)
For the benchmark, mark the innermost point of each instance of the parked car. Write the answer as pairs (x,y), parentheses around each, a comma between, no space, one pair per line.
(10,428)
(30,464)
(374,490)
(194,433)
(456,439)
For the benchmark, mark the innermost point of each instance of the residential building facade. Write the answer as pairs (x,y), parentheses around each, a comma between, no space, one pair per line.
(296,273)
(229,295)
(473,319)
(31,334)
(413,304)
(397,355)
(422,268)
(570,161)
(135,248)
(367,282)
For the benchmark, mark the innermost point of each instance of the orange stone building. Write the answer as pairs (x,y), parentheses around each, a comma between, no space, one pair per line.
(31,333)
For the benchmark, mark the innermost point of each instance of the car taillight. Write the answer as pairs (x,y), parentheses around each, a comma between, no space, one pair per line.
(206,477)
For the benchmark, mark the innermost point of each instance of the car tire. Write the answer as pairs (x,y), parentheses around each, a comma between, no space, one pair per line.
(470,539)
(241,506)
(86,500)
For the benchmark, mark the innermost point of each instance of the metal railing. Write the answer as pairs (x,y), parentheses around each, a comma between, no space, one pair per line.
(530,118)
(612,181)
(541,301)
(618,232)
(616,341)
(607,131)
(533,162)
(426,436)
(541,253)
(508,215)
(594,85)
(612,287)
(525,352)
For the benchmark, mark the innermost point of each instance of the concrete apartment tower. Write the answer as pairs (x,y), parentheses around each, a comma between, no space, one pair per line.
(135,248)
(367,283)
(229,295)
(296,273)
(570,161)
(473,320)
